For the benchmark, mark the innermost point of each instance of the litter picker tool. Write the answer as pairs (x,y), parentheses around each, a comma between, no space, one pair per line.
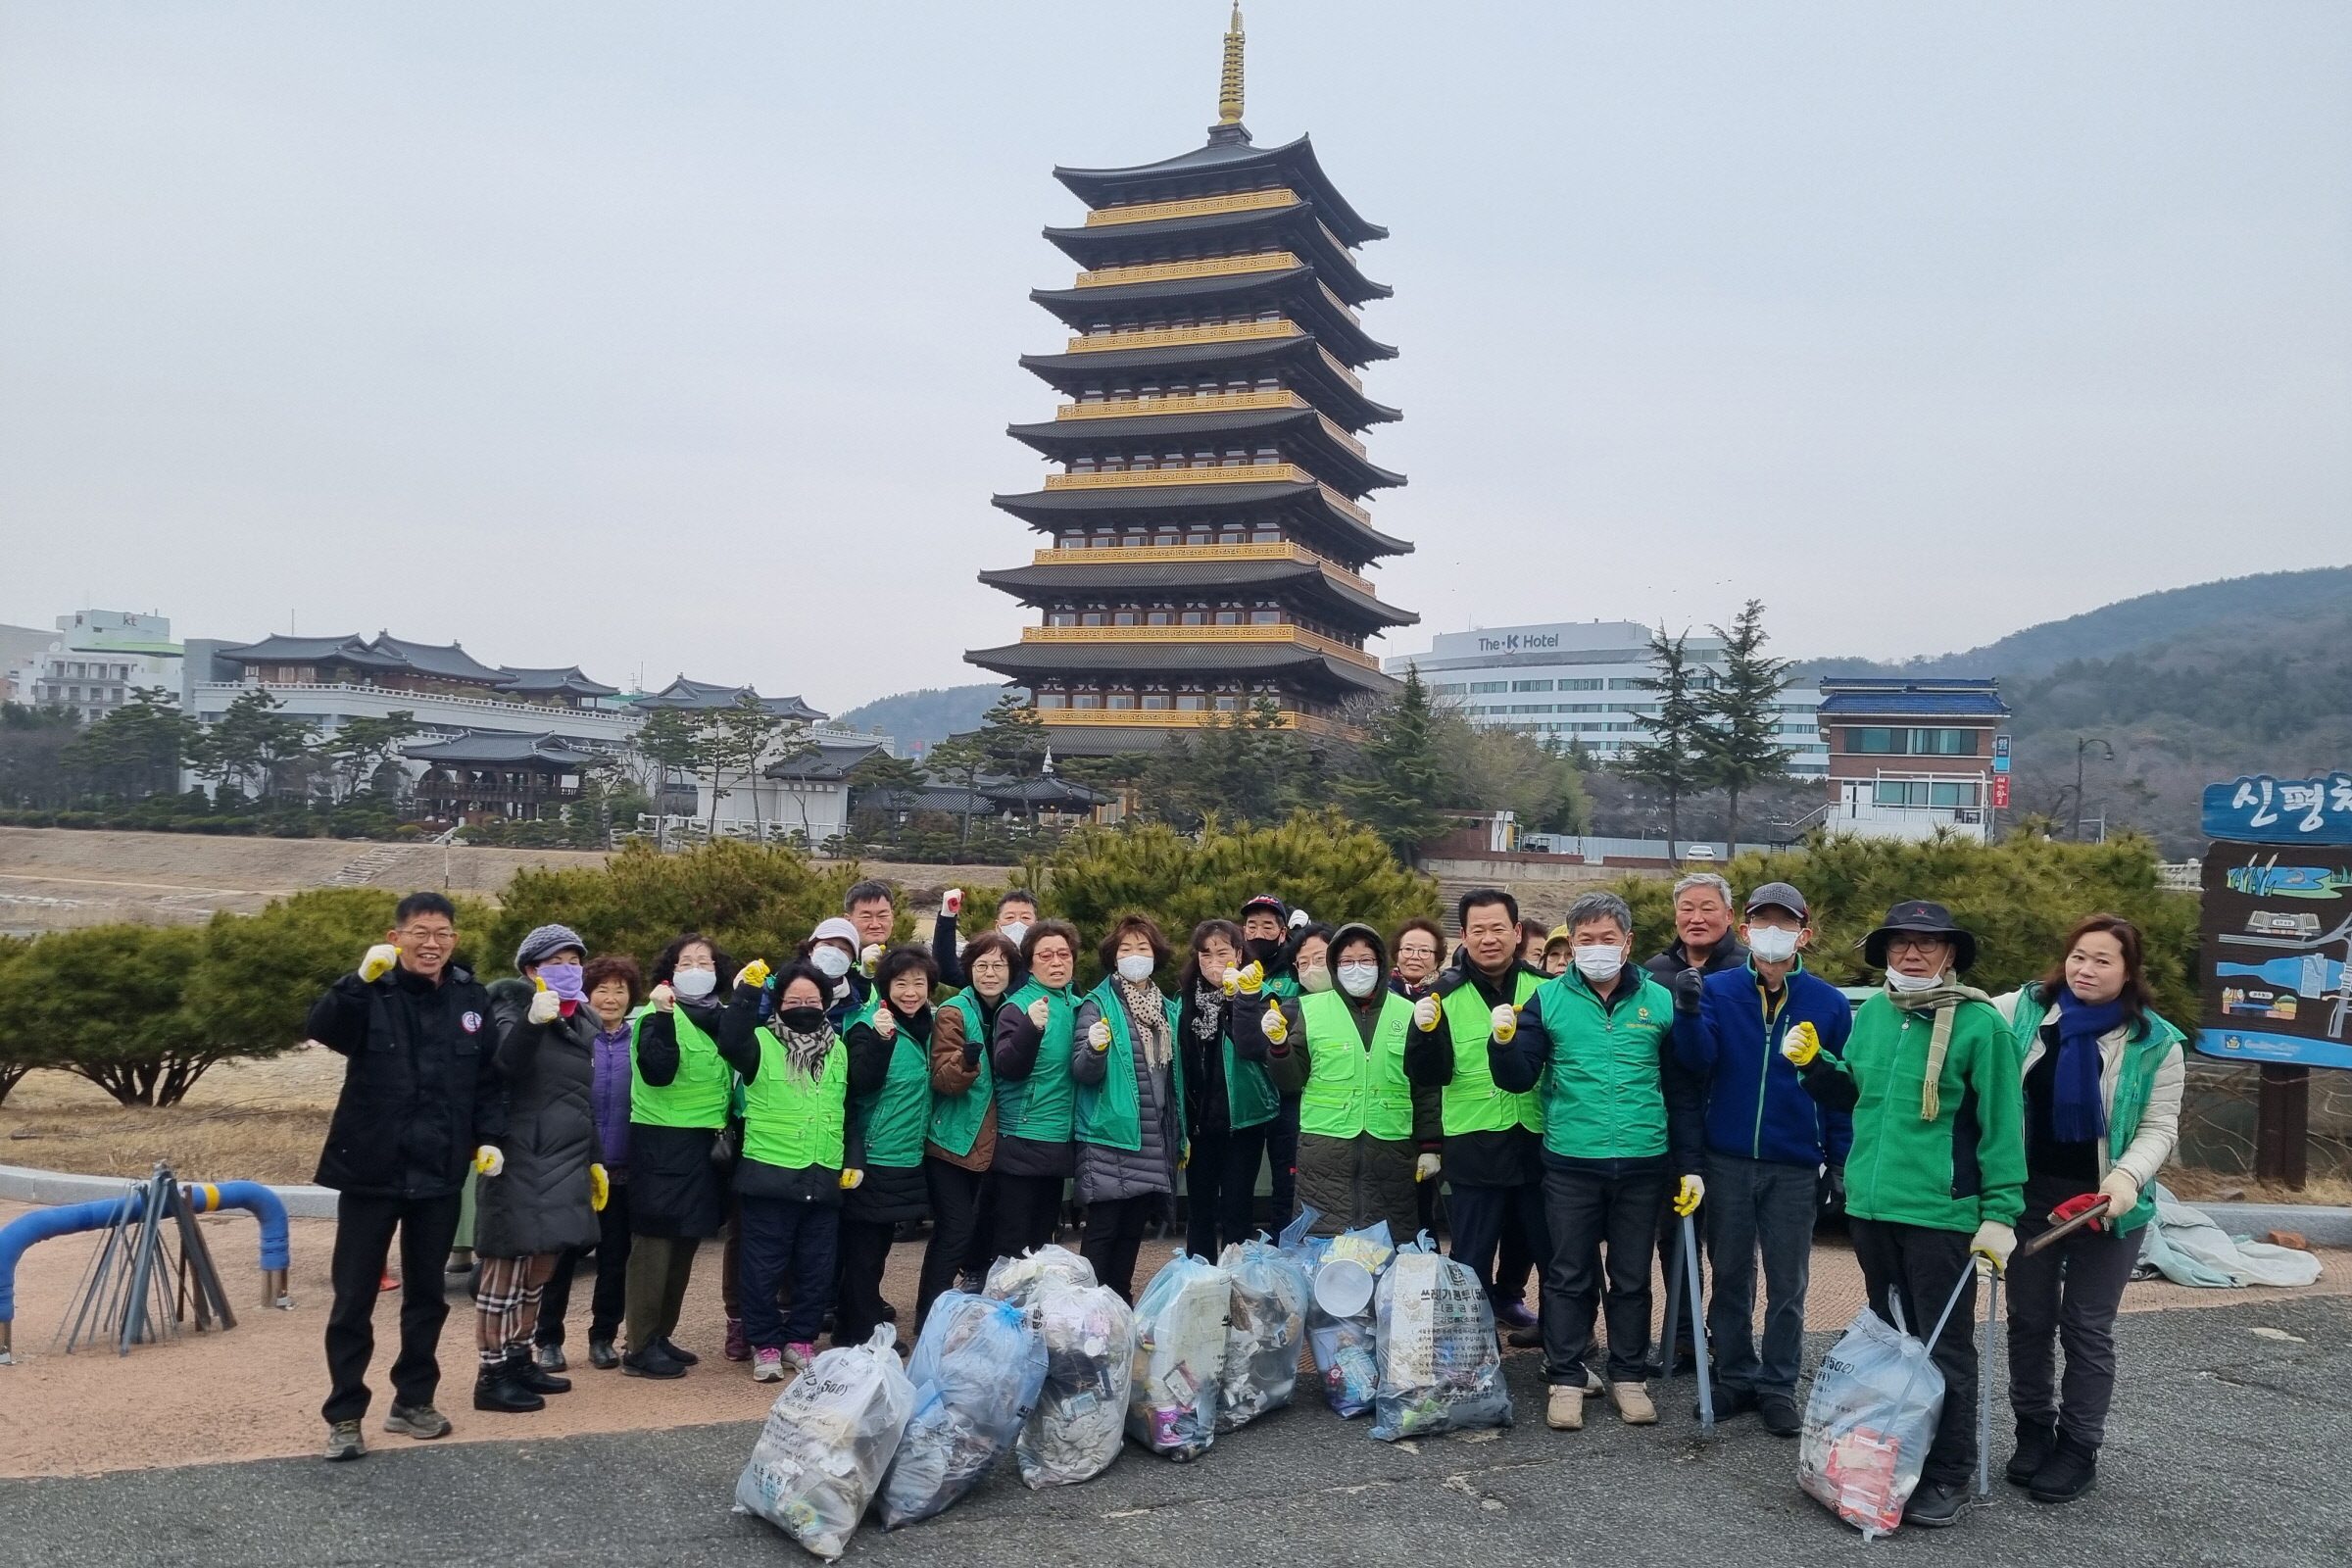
(1686,1268)
(2067,1227)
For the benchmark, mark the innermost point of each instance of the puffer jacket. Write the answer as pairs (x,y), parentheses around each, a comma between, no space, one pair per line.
(1107,1174)
(539,1202)
(420,1089)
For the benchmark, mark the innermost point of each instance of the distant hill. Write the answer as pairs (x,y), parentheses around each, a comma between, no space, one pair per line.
(915,719)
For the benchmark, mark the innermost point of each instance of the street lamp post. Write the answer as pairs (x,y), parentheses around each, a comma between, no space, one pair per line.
(2083,744)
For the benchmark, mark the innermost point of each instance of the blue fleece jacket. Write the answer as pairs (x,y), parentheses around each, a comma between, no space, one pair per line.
(1756,1107)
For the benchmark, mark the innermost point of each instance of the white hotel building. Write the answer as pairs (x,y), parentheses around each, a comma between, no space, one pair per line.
(1580,681)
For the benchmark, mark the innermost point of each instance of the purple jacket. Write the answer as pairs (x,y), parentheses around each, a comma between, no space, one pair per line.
(610,1096)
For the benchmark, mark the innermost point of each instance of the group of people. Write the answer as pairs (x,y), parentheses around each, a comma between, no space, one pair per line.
(1574,1105)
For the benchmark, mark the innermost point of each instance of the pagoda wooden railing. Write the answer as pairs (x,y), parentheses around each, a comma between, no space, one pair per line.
(1161,337)
(1206,266)
(1298,636)
(1182,717)
(1148,555)
(1204,402)
(1238,474)
(1153,212)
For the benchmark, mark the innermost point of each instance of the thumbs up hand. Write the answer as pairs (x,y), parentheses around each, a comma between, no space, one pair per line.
(1276,1027)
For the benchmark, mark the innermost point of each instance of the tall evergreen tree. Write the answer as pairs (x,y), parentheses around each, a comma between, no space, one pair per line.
(1671,760)
(1404,772)
(1739,737)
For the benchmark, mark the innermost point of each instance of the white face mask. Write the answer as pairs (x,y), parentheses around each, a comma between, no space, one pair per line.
(1597,962)
(1136,967)
(1360,979)
(1913,982)
(694,984)
(1314,980)
(1771,943)
(1015,932)
(830,961)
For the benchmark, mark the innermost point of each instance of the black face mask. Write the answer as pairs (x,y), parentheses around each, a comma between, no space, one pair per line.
(802,1020)
(1264,949)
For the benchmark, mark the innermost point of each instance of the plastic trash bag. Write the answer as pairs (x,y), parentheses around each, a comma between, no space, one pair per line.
(976,1371)
(1016,1279)
(1869,1420)
(1080,1420)
(1266,1322)
(1342,1323)
(829,1437)
(1441,1369)
(1180,1327)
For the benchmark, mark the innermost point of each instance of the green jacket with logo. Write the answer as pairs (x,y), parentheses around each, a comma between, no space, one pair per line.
(1611,1088)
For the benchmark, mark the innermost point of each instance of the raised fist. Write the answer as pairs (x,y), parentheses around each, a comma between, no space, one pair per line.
(1425,1014)
(1040,1012)
(664,997)
(871,960)
(886,1025)
(1098,1035)
(1688,985)
(1801,1043)
(754,974)
(378,962)
(1505,1022)
(951,903)
(1299,917)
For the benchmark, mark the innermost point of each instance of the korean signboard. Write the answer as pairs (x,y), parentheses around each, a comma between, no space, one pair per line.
(2278,951)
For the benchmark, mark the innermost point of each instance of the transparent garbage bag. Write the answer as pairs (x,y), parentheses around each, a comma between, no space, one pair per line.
(1080,1420)
(1266,1322)
(1869,1420)
(1017,1279)
(829,1437)
(1342,1325)
(977,1370)
(1441,1369)
(1180,1328)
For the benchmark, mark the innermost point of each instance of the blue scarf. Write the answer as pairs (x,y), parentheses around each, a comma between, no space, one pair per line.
(2078,1111)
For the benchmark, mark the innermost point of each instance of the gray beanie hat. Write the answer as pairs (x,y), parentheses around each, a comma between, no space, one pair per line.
(545,940)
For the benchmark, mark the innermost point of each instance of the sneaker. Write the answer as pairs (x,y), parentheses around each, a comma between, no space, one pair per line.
(1564,1408)
(1935,1504)
(1516,1314)
(2072,1469)
(802,1354)
(601,1355)
(738,1348)
(2035,1441)
(669,1348)
(1778,1413)
(343,1441)
(1729,1402)
(419,1421)
(1633,1404)
(650,1362)
(551,1358)
(767,1365)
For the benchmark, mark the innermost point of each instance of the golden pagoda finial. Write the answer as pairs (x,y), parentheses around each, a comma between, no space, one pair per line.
(1229,85)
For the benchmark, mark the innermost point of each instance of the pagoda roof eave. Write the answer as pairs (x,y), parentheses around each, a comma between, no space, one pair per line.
(1294,161)
(1027,661)
(1295,290)
(1344,403)
(1092,245)
(1345,468)
(1075,576)
(1047,509)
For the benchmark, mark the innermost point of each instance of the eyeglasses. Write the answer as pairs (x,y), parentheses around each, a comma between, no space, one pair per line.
(428,936)
(1924,947)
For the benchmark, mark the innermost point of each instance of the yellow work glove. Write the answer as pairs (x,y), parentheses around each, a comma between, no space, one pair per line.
(546,1005)
(851,1178)
(1505,1022)
(1275,1026)
(871,960)
(1800,1044)
(1426,1168)
(378,962)
(1992,1244)
(600,1188)
(754,974)
(1425,1013)
(1687,1197)
(490,1159)
(1098,1035)
(1247,980)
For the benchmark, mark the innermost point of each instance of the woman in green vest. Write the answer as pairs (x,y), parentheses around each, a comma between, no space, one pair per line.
(962,1138)
(1130,1120)
(1231,1103)
(2102,1077)
(679,1091)
(1368,1136)
(794,1167)
(889,1039)
(1029,1053)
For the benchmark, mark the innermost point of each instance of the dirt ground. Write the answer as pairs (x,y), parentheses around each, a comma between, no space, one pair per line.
(260,1121)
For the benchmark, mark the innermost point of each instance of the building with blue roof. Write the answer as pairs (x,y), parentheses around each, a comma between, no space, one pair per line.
(1910,755)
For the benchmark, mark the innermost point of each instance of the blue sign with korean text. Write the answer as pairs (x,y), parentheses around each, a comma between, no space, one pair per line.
(2280,810)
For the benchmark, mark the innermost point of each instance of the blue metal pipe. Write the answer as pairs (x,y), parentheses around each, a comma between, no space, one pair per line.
(204,1198)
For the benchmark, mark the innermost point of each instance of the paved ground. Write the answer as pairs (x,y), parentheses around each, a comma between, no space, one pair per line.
(2228,1447)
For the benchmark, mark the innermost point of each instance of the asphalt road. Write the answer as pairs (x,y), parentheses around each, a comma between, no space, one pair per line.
(2232,1444)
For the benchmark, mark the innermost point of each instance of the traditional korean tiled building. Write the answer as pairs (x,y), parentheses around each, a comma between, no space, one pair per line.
(1206,540)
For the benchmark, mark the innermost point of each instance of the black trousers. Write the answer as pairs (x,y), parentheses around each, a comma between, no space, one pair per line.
(363,1228)
(1282,1152)
(2065,1297)
(785,1241)
(864,1253)
(1514,1259)
(1759,1206)
(1919,1267)
(1220,1187)
(611,1298)
(1480,1214)
(1585,1211)
(1114,1234)
(954,1220)
(1025,1210)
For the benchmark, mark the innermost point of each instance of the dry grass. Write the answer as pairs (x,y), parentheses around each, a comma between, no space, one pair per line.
(244,1120)
(2192,1186)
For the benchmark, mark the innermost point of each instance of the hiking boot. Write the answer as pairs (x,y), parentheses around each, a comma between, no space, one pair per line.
(1564,1408)
(669,1348)
(650,1362)
(343,1441)
(738,1348)
(497,1391)
(767,1365)
(2035,1440)
(1780,1415)
(1729,1402)
(2072,1469)
(1524,1339)
(526,1374)
(1633,1404)
(1935,1504)
(800,1355)
(419,1421)
(601,1355)
(1516,1314)
(551,1358)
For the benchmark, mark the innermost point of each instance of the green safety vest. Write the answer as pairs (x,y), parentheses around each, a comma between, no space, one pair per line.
(791,1120)
(1603,1098)
(1351,1090)
(702,1092)
(956,1118)
(892,1119)
(2135,1081)
(1470,1101)
(1041,1107)
(1110,1112)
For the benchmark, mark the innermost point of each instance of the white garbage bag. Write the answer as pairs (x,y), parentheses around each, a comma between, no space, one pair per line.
(1016,1279)
(829,1437)
(1180,1328)
(1441,1369)
(1080,1420)
(1267,1323)
(1869,1420)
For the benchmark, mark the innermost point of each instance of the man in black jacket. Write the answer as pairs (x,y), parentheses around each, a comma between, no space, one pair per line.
(421,1101)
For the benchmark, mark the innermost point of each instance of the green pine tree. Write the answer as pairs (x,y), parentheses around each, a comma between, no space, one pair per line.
(1404,772)
(1739,737)
(1671,759)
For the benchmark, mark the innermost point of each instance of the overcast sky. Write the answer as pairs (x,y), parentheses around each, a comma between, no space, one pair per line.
(682,336)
